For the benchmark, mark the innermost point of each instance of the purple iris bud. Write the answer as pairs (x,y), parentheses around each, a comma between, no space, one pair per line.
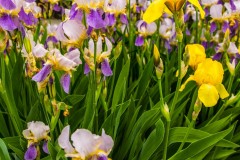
(106,69)
(31,153)
(42,75)
(65,82)
(95,19)
(123,18)
(225,26)
(213,27)
(7,22)
(112,19)
(102,157)
(57,8)
(217,56)
(233,7)
(139,41)
(86,69)
(7,4)
(45,147)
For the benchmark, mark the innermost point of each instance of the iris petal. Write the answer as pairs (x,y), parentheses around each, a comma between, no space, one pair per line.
(154,11)
(197,4)
(208,95)
(222,91)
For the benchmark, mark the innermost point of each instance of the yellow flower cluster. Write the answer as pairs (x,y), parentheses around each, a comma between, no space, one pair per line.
(208,76)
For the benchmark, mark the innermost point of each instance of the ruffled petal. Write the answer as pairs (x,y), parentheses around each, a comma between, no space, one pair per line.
(208,95)
(222,91)
(154,11)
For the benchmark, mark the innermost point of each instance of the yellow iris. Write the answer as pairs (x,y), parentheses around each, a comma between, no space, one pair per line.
(209,76)
(157,7)
(196,54)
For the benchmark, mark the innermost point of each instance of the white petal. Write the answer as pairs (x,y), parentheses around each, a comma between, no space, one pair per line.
(38,129)
(106,142)
(74,56)
(63,140)
(39,51)
(216,11)
(84,142)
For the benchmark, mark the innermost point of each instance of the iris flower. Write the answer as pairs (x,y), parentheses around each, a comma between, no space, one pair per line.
(196,54)
(209,76)
(85,145)
(157,7)
(101,56)
(35,133)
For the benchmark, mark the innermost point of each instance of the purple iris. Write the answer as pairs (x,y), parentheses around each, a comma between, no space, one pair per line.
(42,75)
(31,153)
(106,69)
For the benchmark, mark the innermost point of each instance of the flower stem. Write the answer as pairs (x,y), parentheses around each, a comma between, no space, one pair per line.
(166,140)
(179,80)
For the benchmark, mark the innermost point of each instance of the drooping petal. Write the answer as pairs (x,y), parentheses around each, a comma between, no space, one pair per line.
(63,140)
(154,11)
(44,72)
(31,153)
(208,95)
(45,147)
(197,4)
(102,157)
(222,91)
(65,82)
(213,27)
(139,41)
(123,18)
(7,22)
(86,69)
(7,4)
(191,78)
(106,69)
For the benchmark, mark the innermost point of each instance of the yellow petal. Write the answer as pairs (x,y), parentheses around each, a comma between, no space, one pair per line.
(222,91)
(196,4)
(208,95)
(196,54)
(191,78)
(154,11)
(166,10)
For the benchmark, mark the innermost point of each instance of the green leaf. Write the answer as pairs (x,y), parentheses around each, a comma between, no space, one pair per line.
(217,125)
(200,145)
(153,141)
(4,155)
(73,99)
(177,134)
(119,85)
